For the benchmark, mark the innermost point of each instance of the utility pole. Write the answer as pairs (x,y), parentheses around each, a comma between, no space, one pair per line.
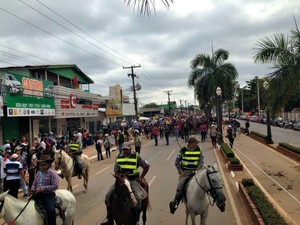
(132,75)
(258,97)
(168,92)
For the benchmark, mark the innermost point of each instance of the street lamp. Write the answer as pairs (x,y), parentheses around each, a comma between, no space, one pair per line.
(269,135)
(219,115)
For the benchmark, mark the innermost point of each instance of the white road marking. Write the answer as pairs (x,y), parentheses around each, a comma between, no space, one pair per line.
(170,154)
(234,209)
(101,171)
(152,180)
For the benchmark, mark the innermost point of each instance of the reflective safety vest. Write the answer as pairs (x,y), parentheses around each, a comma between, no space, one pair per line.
(190,158)
(74,147)
(128,164)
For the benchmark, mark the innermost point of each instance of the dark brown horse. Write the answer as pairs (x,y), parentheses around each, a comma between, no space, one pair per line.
(123,202)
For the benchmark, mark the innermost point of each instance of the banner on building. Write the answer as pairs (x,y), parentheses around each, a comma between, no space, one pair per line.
(26,96)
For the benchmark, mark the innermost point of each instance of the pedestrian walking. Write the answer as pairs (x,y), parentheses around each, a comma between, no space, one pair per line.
(161,131)
(99,143)
(186,131)
(230,135)
(167,131)
(14,171)
(247,126)
(176,131)
(22,156)
(155,134)
(203,131)
(213,135)
(137,141)
(120,140)
(106,144)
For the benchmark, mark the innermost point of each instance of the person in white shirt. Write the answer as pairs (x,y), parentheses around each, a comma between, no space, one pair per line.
(6,145)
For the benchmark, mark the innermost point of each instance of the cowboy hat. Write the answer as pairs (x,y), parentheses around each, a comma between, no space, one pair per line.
(45,158)
(14,156)
(18,148)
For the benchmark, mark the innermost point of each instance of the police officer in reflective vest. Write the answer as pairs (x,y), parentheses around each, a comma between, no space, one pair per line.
(127,163)
(75,150)
(188,160)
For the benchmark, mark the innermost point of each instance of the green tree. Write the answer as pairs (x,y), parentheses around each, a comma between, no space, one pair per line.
(146,7)
(284,53)
(208,73)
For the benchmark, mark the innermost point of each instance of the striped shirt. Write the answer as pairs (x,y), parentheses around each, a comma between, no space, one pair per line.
(13,169)
(47,180)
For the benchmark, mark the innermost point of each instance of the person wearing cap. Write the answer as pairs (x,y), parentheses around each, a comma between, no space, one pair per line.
(106,144)
(137,141)
(230,135)
(213,135)
(76,151)
(22,157)
(120,140)
(127,163)
(188,160)
(14,171)
(45,184)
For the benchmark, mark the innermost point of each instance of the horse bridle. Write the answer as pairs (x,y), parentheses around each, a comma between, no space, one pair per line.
(212,191)
(60,163)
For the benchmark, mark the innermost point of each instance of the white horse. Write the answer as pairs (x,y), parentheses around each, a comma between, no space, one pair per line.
(66,163)
(10,208)
(206,182)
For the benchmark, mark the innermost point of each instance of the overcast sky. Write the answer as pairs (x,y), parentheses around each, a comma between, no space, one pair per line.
(102,36)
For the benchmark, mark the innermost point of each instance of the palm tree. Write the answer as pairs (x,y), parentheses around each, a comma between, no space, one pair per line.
(145,7)
(210,72)
(284,53)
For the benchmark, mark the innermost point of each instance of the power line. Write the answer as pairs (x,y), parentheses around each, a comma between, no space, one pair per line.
(69,29)
(26,53)
(53,35)
(84,31)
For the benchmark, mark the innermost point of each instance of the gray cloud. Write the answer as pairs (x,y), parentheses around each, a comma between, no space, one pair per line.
(164,43)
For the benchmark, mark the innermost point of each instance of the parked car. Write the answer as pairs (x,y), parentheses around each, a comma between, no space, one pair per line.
(49,91)
(277,122)
(253,118)
(297,125)
(243,117)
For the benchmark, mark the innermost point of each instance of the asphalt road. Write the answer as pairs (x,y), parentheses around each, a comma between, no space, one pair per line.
(162,178)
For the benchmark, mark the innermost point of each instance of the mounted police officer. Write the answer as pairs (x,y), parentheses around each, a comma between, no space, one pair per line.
(188,160)
(75,150)
(127,163)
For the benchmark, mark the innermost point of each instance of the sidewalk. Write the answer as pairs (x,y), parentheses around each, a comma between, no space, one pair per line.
(275,174)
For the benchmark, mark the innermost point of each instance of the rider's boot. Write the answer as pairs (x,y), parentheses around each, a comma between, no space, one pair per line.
(174,204)
(135,215)
(109,219)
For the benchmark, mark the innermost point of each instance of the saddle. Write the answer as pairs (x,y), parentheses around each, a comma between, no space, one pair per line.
(60,209)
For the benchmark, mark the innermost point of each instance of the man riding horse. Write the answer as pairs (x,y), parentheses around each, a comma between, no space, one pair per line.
(189,159)
(127,163)
(75,150)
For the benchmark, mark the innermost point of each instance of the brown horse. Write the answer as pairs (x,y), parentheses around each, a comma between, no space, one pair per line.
(123,202)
